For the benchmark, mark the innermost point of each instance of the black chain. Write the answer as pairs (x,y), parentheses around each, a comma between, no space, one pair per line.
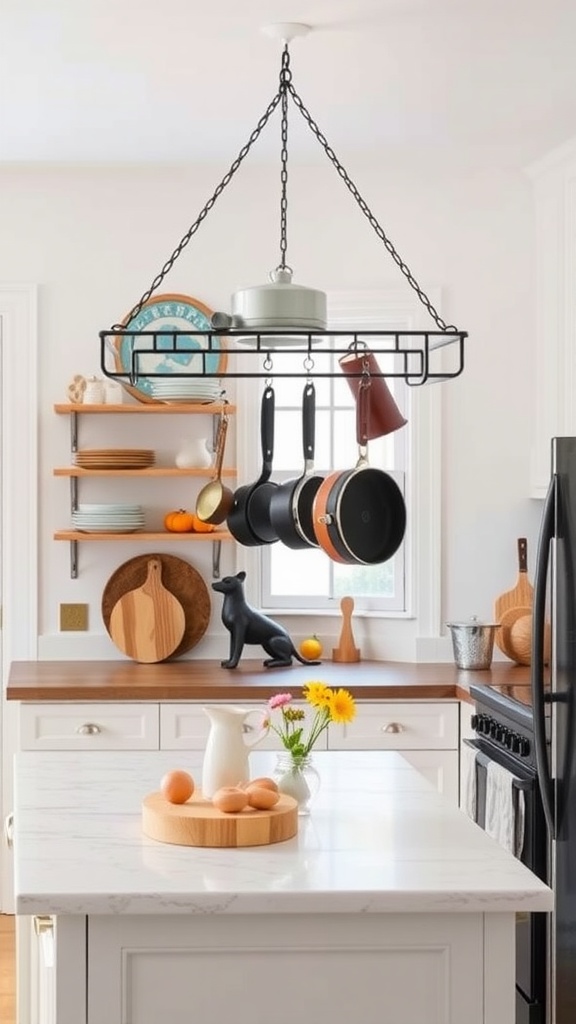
(282,97)
(205,211)
(285,79)
(440,323)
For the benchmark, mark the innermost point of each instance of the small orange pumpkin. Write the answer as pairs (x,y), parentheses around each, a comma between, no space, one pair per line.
(179,521)
(199,526)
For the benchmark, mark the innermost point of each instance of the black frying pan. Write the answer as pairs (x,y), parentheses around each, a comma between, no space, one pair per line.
(360,514)
(247,520)
(291,501)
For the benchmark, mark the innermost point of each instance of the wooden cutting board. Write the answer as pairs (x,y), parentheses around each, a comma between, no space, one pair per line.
(503,636)
(522,595)
(148,622)
(199,823)
(180,578)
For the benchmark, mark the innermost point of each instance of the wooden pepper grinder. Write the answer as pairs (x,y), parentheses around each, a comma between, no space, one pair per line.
(346,651)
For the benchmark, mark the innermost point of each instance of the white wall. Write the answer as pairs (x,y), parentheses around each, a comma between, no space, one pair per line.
(93,238)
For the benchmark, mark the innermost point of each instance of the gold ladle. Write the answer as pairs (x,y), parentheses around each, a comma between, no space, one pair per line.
(215,500)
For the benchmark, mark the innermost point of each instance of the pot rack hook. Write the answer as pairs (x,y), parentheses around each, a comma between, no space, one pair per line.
(267,365)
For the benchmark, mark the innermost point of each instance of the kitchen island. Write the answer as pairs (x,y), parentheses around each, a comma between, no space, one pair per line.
(388,907)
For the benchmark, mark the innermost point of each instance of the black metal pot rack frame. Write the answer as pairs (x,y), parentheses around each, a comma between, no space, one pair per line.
(414,353)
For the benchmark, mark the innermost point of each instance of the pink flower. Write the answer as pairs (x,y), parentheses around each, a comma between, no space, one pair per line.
(279,700)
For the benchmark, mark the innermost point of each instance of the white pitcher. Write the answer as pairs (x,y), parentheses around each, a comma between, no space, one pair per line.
(229,742)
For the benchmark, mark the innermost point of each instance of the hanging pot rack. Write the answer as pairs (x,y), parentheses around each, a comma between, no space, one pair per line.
(414,353)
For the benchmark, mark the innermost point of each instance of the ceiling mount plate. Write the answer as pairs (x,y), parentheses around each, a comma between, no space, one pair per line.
(286,31)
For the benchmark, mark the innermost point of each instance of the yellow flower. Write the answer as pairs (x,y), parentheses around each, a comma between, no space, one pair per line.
(317,694)
(342,707)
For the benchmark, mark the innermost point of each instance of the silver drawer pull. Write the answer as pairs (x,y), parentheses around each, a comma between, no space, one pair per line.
(9,829)
(394,727)
(88,729)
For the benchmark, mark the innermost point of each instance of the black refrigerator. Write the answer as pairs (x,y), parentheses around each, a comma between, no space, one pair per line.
(554,710)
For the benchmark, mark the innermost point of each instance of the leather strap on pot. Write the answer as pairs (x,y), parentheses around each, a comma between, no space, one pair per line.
(362,412)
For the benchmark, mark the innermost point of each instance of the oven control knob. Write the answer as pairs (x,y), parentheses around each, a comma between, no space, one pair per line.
(493,729)
(474,722)
(524,747)
(508,739)
(515,744)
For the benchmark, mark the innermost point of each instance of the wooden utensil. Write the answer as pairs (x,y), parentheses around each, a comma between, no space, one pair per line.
(199,823)
(148,623)
(180,578)
(346,650)
(502,636)
(522,595)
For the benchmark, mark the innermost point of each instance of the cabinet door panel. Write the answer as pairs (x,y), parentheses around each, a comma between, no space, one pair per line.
(222,968)
(89,727)
(391,725)
(440,767)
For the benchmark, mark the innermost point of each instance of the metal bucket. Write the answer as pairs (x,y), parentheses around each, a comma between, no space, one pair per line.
(473,643)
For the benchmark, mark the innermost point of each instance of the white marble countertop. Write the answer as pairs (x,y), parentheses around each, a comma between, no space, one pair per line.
(379,839)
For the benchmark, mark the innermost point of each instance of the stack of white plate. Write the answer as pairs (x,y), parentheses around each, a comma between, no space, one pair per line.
(108,518)
(186,389)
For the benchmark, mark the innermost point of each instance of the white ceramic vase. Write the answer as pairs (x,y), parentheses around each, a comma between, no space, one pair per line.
(193,454)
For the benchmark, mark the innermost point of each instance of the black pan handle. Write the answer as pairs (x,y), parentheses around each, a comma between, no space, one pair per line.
(308,422)
(537,670)
(267,432)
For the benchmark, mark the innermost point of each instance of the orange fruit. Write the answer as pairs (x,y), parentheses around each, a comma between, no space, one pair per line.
(311,648)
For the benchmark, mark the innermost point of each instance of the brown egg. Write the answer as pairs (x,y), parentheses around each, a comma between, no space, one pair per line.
(230,799)
(261,797)
(264,783)
(177,786)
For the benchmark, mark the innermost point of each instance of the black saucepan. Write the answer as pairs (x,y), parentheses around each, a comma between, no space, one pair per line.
(291,502)
(360,514)
(249,519)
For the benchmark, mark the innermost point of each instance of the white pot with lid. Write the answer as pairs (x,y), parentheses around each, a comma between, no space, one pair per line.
(276,306)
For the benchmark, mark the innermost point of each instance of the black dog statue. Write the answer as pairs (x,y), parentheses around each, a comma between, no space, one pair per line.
(248,626)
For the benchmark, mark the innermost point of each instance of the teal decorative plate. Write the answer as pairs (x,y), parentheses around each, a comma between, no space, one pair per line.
(167,314)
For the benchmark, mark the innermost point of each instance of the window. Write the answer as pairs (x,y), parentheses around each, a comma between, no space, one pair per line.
(281,579)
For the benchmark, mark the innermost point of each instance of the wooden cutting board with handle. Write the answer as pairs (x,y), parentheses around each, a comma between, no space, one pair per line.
(522,595)
(148,623)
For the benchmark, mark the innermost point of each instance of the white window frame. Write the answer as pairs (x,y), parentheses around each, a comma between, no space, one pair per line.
(423,463)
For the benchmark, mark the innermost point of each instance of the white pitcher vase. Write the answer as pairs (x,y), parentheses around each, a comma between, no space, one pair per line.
(229,742)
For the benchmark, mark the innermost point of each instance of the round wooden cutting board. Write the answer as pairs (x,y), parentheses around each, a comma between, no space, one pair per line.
(180,578)
(199,823)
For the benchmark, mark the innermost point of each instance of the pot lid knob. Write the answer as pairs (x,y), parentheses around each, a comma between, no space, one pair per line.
(282,275)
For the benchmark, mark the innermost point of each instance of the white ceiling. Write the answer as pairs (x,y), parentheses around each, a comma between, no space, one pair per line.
(180,80)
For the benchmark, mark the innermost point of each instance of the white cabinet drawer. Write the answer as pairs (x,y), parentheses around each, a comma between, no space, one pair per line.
(186,727)
(393,725)
(89,726)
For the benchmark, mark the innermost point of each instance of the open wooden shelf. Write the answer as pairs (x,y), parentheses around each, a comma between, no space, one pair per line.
(160,535)
(150,408)
(149,471)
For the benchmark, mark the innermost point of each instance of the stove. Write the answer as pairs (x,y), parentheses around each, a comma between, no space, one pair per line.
(503,723)
(503,720)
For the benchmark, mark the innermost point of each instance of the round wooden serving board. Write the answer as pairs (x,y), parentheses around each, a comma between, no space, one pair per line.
(199,823)
(180,578)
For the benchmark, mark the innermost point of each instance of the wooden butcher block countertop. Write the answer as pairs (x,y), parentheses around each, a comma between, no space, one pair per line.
(206,680)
